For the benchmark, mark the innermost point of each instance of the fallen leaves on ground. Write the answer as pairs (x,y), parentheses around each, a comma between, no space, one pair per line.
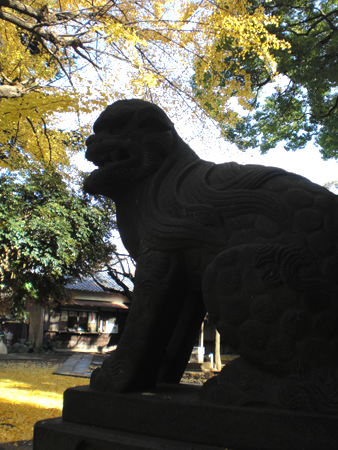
(30,392)
(196,377)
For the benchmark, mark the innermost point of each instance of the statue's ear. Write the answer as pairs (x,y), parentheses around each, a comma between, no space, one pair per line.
(153,119)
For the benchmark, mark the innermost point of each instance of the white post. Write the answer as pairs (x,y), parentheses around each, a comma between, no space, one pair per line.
(218,361)
(200,355)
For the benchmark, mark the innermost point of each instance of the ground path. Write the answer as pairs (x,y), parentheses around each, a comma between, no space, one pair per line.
(80,365)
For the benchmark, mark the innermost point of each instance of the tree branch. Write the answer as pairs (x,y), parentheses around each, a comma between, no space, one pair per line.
(47,137)
(15,91)
(114,275)
(36,135)
(15,20)
(85,57)
(22,8)
(335,106)
(53,38)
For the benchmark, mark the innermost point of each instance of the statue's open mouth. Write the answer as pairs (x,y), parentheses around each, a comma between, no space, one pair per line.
(111,154)
(115,160)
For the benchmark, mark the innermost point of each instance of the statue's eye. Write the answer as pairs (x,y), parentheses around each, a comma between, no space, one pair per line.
(117,126)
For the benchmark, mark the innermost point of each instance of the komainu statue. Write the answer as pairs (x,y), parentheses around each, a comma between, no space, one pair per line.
(254,246)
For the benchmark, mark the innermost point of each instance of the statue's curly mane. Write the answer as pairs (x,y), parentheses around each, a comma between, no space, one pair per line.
(193,209)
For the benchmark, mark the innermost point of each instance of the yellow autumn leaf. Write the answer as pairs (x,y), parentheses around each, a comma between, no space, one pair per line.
(30,392)
(88,54)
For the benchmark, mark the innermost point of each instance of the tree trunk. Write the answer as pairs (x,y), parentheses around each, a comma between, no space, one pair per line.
(35,311)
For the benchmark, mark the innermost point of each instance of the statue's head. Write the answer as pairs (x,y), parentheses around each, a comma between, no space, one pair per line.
(131,140)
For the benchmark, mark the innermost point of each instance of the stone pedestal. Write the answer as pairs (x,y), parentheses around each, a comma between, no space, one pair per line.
(173,418)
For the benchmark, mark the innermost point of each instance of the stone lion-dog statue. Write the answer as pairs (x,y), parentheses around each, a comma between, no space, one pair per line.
(254,246)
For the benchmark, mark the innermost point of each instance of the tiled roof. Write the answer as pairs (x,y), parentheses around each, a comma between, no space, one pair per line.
(99,304)
(89,284)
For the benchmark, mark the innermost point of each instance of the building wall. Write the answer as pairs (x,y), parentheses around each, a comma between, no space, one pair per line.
(72,341)
(90,321)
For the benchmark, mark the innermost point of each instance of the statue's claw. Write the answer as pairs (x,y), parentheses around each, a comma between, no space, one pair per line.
(99,380)
(114,375)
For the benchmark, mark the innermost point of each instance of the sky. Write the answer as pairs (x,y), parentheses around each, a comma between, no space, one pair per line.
(306,162)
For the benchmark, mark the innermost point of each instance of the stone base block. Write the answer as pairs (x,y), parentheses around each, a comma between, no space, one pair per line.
(55,434)
(174,418)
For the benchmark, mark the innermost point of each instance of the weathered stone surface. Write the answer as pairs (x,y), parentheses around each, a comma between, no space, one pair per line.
(174,415)
(255,246)
(55,434)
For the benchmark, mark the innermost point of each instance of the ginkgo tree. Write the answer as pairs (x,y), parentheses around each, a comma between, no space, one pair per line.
(67,57)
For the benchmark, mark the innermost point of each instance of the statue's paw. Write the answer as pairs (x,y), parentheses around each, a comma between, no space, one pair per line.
(241,384)
(113,376)
(99,380)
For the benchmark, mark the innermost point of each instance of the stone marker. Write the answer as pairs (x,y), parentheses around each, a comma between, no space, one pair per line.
(3,349)
(254,246)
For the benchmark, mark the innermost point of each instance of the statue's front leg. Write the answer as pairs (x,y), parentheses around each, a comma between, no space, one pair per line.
(183,339)
(153,315)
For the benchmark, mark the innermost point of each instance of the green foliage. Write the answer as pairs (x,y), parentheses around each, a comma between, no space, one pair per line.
(302,101)
(49,232)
